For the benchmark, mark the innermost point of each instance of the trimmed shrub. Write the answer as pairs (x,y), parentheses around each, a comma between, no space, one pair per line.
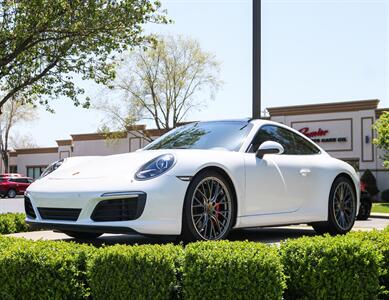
(232,270)
(12,223)
(385,196)
(342,267)
(380,240)
(134,272)
(42,269)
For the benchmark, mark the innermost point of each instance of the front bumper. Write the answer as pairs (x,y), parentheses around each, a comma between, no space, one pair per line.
(161,213)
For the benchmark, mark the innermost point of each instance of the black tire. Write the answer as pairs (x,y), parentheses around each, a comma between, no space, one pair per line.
(83,235)
(2,196)
(217,210)
(11,193)
(341,212)
(365,208)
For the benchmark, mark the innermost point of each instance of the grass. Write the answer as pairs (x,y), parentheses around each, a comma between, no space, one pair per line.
(380,208)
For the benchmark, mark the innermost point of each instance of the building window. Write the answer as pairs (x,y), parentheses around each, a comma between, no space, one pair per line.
(13,169)
(35,171)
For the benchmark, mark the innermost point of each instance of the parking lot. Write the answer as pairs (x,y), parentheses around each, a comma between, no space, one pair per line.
(266,235)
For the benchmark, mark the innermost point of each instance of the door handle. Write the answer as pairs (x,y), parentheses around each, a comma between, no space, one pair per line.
(305,172)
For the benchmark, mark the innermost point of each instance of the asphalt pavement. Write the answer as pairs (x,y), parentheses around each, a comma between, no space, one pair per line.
(266,235)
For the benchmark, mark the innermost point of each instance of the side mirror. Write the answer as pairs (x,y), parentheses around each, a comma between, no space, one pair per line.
(269,147)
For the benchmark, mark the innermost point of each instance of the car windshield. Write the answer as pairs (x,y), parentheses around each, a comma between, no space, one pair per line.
(228,135)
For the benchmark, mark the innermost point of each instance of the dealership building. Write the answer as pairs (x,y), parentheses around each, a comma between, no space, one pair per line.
(344,129)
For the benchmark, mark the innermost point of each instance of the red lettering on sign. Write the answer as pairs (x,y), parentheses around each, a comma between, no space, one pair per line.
(311,134)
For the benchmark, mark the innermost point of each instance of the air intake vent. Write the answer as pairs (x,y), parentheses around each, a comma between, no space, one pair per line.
(28,208)
(63,214)
(119,209)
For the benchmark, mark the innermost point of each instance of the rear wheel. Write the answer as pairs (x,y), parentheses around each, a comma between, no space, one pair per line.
(341,208)
(209,208)
(11,194)
(83,235)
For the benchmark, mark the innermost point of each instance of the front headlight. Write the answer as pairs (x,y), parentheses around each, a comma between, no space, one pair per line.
(52,167)
(155,167)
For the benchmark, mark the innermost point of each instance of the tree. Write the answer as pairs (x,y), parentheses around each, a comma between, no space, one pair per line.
(163,83)
(382,140)
(15,111)
(44,43)
(21,141)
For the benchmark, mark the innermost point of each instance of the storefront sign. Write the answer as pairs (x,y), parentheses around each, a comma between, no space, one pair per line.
(332,135)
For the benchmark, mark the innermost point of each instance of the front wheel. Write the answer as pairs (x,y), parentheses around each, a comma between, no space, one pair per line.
(82,235)
(341,208)
(209,208)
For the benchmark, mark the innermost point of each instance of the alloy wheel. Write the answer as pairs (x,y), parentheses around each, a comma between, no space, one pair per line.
(211,208)
(344,205)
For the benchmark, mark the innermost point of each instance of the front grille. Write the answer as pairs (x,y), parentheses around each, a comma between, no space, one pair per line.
(28,208)
(126,209)
(63,214)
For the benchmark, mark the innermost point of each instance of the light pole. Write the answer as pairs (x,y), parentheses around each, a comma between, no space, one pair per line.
(256,59)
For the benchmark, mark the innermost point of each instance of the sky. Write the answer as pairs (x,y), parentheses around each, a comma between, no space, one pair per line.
(313,51)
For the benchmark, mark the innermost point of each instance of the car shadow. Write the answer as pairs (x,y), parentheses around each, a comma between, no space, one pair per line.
(269,235)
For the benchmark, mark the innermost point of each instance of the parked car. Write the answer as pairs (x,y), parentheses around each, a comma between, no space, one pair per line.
(12,186)
(366,203)
(199,181)
(10,175)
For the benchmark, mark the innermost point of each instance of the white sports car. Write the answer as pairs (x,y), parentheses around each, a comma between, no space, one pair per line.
(199,181)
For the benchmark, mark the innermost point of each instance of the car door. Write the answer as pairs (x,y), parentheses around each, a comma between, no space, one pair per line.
(277,183)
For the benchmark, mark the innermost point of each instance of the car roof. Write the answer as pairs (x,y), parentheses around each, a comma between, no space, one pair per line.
(248,120)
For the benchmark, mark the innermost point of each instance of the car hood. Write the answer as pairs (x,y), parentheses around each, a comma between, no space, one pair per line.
(104,166)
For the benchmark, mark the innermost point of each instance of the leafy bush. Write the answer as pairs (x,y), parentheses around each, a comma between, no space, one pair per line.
(12,223)
(385,196)
(381,126)
(134,272)
(380,240)
(342,267)
(232,270)
(42,269)
(371,182)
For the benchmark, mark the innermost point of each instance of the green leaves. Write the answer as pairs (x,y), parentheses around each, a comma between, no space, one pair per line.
(43,43)
(354,266)
(42,269)
(13,223)
(232,270)
(137,272)
(382,140)
(342,267)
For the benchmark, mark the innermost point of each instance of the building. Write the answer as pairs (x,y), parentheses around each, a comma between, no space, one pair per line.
(344,129)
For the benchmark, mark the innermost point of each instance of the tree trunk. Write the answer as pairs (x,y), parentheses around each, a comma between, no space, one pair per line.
(5,159)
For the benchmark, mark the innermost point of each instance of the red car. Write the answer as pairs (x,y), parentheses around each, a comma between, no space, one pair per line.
(12,186)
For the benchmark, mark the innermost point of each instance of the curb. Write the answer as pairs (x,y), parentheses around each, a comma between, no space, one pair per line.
(379,215)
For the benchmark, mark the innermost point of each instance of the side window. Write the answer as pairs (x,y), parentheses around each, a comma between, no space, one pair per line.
(275,134)
(293,143)
(304,147)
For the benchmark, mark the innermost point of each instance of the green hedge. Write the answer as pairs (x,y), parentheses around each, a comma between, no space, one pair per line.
(232,270)
(42,269)
(342,267)
(12,223)
(134,272)
(380,240)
